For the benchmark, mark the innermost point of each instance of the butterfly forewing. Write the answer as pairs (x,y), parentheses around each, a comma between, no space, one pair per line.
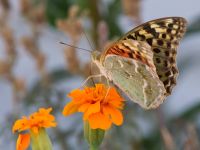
(129,48)
(163,35)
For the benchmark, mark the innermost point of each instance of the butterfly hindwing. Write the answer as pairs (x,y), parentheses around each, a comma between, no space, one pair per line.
(134,72)
(163,35)
(137,80)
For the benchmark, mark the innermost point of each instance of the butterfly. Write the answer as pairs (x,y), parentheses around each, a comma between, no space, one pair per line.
(143,62)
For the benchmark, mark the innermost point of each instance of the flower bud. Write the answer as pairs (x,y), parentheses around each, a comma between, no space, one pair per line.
(93,136)
(40,141)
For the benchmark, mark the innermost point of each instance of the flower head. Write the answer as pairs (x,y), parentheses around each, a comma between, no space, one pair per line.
(23,141)
(36,124)
(37,120)
(101,106)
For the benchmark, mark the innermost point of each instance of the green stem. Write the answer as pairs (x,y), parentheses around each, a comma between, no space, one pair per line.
(93,147)
(94,137)
(41,140)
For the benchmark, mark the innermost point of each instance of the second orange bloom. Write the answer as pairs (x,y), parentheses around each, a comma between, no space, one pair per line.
(101,106)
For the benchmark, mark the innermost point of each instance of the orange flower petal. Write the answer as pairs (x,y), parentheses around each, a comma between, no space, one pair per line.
(93,108)
(21,125)
(35,129)
(114,99)
(40,119)
(23,141)
(84,107)
(44,111)
(70,108)
(94,102)
(99,121)
(76,94)
(114,114)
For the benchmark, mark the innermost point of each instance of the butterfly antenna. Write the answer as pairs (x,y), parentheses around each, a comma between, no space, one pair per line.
(91,46)
(76,47)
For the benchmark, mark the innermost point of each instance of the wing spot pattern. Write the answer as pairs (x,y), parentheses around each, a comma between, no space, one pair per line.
(158,60)
(156,50)
(149,41)
(168,73)
(164,36)
(160,42)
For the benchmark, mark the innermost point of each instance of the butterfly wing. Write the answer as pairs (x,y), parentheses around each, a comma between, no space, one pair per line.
(146,75)
(133,49)
(137,80)
(163,35)
(135,74)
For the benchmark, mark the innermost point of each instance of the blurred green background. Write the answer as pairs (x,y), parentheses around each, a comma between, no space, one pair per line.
(36,71)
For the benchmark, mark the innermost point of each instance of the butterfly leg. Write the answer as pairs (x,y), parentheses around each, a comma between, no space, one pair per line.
(108,84)
(88,78)
(96,76)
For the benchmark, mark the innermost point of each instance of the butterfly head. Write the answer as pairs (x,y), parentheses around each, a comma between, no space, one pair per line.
(96,55)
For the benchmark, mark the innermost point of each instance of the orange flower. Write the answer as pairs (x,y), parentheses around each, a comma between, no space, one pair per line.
(23,141)
(37,120)
(101,106)
(35,123)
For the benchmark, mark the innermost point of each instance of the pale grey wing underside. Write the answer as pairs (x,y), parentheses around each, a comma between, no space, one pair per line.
(138,81)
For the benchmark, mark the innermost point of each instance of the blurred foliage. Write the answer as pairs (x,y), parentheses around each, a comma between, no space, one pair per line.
(114,9)
(57,9)
(129,136)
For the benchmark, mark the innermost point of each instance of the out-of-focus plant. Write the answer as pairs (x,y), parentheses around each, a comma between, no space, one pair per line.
(100,21)
(34,126)
(101,107)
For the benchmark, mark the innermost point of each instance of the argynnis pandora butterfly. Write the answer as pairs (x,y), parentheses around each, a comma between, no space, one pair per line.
(143,62)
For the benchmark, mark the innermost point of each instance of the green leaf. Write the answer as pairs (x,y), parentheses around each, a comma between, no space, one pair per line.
(114,10)
(56,9)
